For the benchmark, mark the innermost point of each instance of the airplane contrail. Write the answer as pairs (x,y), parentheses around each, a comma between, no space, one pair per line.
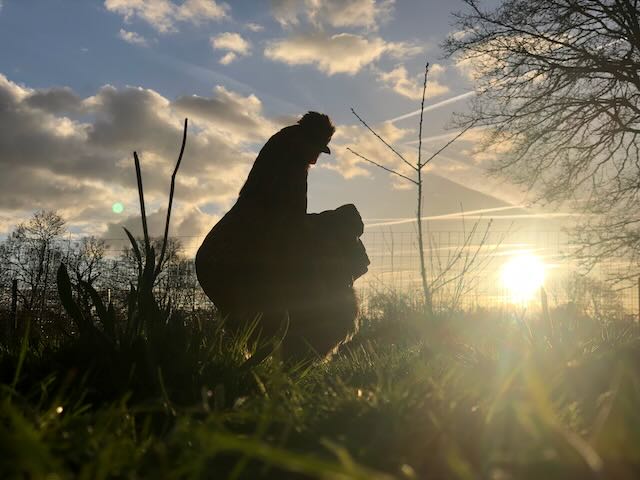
(444,216)
(433,106)
(442,136)
(474,215)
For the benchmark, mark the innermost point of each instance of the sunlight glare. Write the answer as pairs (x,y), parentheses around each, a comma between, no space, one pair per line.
(117,207)
(523,276)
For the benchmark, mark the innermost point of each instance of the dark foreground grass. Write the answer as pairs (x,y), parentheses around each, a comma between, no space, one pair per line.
(475,395)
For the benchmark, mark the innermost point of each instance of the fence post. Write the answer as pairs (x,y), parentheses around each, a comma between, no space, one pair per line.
(12,325)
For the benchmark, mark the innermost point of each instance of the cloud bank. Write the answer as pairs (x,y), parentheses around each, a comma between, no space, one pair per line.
(61,151)
(411,87)
(340,53)
(332,13)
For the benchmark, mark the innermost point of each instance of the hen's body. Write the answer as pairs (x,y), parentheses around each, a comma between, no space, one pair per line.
(267,257)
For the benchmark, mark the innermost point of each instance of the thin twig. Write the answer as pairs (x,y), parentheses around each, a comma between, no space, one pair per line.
(462,132)
(383,140)
(424,94)
(173,184)
(382,166)
(145,231)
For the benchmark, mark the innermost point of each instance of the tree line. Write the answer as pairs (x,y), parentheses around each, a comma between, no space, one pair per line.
(31,254)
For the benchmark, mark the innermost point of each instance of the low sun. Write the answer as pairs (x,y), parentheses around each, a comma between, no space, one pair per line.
(522,276)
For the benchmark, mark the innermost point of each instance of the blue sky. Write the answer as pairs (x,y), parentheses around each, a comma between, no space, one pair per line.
(77,44)
(82,84)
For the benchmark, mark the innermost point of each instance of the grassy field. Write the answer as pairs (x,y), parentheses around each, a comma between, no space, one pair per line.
(481,394)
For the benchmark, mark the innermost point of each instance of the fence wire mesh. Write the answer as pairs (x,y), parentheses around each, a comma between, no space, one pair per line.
(477,258)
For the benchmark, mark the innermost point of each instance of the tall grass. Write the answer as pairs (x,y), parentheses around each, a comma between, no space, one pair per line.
(479,394)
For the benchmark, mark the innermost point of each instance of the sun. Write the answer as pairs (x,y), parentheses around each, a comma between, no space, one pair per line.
(522,276)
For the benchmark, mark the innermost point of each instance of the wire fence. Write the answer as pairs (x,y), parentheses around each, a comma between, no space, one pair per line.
(395,264)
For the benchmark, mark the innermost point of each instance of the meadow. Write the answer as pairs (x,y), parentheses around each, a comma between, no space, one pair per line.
(494,394)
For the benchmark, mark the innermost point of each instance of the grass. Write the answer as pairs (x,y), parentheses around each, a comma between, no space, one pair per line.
(480,394)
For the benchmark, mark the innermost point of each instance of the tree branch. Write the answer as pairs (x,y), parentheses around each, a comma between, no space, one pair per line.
(383,140)
(382,166)
(462,132)
(424,94)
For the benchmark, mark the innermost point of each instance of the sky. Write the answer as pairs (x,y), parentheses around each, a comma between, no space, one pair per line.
(84,84)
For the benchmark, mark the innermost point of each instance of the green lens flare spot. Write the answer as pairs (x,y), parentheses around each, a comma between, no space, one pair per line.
(117,207)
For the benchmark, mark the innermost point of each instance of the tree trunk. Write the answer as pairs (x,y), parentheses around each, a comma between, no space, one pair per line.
(423,271)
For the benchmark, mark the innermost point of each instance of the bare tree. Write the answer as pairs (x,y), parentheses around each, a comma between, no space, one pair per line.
(32,255)
(558,89)
(418,181)
(87,263)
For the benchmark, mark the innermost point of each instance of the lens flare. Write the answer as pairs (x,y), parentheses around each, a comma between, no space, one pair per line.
(117,207)
(523,276)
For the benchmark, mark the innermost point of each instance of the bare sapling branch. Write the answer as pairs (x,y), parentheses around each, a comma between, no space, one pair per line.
(382,166)
(438,152)
(424,94)
(383,140)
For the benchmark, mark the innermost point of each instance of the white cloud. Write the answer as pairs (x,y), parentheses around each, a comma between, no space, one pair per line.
(228,58)
(333,13)
(163,15)
(195,11)
(331,54)
(132,38)
(411,87)
(351,13)
(236,117)
(232,42)
(461,34)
